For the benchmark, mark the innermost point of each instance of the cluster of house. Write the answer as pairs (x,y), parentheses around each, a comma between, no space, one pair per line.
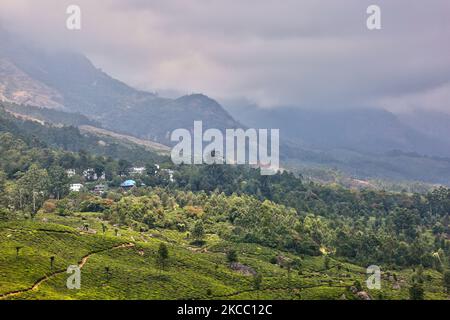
(101,188)
(91,175)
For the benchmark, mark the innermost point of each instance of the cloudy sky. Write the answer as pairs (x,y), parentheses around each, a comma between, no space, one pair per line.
(310,53)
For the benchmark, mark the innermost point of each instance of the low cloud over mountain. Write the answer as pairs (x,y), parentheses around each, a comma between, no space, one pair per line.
(315,54)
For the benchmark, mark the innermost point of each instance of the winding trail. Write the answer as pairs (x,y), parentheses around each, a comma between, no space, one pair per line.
(81,264)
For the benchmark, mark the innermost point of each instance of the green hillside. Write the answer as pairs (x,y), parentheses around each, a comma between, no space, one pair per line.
(192,272)
(202,232)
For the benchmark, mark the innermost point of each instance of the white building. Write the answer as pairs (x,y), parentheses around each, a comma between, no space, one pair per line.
(71,172)
(137,170)
(90,175)
(76,187)
(170,173)
(100,189)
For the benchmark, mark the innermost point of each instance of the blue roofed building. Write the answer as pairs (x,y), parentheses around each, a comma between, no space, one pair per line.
(128,184)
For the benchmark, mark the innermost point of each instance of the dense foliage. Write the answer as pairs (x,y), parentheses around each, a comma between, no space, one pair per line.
(235,202)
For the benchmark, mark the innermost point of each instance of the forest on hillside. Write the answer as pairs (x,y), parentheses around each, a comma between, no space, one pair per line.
(235,203)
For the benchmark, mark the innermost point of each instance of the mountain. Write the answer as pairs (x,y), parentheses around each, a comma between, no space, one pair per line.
(435,124)
(62,135)
(364,130)
(361,143)
(358,142)
(69,81)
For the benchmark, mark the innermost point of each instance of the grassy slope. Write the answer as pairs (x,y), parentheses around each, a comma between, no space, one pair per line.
(193,273)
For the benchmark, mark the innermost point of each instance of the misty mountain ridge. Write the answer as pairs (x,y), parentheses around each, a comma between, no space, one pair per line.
(69,81)
(359,141)
(367,130)
(435,124)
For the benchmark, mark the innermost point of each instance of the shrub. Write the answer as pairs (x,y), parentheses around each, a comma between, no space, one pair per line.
(232,256)
(273,260)
(6,214)
(49,206)
(95,204)
(63,207)
(193,212)
(416,292)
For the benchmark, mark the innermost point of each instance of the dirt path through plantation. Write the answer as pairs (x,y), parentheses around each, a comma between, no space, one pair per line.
(81,264)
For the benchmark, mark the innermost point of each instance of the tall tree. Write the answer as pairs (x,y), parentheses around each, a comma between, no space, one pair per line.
(416,292)
(257,281)
(232,256)
(99,168)
(162,256)
(198,232)
(124,167)
(33,186)
(58,181)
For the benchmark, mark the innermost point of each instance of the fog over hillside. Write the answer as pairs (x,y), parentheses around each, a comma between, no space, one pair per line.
(229,157)
(312,53)
(369,103)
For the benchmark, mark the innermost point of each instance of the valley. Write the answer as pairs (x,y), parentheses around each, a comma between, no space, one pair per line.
(86,181)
